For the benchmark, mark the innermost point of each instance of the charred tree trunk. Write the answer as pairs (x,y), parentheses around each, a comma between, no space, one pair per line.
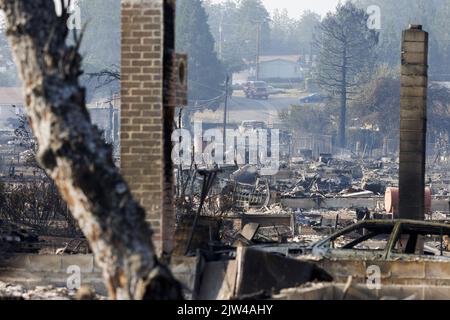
(343,106)
(74,154)
(342,120)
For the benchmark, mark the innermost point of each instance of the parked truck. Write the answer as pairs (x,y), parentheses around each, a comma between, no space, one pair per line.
(256,90)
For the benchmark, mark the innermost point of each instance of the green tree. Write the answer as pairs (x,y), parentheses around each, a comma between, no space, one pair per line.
(345,46)
(308,119)
(235,24)
(206,73)
(305,31)
(378,104)
(293,36)
(224,24)
(252,15)
(397,15)
(8,70)
(283,34)
(100,47)
(379,97)
(101,40)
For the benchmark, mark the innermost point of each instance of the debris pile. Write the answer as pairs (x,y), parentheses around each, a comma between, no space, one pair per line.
(328,178)
(10,291)
(338,177)
(24,239)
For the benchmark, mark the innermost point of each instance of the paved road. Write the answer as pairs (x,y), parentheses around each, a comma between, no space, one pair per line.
(241,108)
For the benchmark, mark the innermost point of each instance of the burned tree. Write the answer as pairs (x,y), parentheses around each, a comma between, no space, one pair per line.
(75,156)
(345,45)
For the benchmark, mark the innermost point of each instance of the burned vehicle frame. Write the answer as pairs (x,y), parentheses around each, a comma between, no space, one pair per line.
(402,238)
(391,240)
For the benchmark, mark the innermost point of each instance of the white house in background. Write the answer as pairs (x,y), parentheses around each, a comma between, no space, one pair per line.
(286,67)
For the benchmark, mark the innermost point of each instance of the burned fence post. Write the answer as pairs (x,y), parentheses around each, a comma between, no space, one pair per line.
(413,121)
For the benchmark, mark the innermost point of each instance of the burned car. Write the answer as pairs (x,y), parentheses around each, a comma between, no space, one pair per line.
(386,240)
(375,240)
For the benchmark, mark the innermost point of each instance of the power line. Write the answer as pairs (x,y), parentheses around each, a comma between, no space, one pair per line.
(207,87)
(210,100)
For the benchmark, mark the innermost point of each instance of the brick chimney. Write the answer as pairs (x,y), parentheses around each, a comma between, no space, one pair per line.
(413,123)
(152,84)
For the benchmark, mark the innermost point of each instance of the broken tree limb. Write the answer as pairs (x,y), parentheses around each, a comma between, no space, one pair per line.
(76,157)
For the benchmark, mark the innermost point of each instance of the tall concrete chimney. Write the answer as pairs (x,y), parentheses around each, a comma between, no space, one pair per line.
(413,123)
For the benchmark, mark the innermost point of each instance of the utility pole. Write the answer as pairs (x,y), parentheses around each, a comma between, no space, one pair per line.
(225,110)
(220,36)
(258,48)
